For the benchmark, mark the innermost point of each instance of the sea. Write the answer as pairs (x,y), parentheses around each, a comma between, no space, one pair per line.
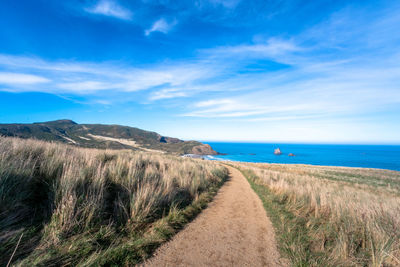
(366,156)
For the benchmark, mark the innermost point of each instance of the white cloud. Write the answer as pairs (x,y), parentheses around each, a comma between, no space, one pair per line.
(249,106)
(172,79)
(167,94)
(161,25)
(10,78)
(110,8)
(273,48)
(85,86)
(214,102)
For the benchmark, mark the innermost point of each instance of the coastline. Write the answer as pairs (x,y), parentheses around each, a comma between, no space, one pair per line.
(354,156)
(213,158)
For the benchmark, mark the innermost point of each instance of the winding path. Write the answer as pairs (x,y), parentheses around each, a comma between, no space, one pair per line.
(233,231)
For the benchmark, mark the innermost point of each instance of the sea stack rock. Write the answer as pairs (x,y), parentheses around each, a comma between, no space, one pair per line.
(277,151)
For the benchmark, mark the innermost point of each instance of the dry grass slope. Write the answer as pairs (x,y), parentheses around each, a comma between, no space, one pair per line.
(332,216)
(87,207)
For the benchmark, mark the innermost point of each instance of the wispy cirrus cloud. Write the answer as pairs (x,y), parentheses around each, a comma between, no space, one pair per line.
(167,94)
(110,8)
(271,48)
(247,107)
(161,25)
(337,90)
(72,77)
(10,78)
(85,86)
(214,102)
(326,77)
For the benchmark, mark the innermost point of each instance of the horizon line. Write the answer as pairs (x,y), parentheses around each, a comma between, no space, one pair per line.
(301,142)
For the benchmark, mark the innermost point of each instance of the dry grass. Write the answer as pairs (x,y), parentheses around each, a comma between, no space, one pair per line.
(348,216)
(76,206)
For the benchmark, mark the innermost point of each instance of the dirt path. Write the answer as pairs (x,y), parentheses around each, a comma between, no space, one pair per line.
(233,231)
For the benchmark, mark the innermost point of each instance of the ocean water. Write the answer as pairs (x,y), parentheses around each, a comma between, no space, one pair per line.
(367,156)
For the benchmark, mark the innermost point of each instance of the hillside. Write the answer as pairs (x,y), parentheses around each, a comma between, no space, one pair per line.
(104,136)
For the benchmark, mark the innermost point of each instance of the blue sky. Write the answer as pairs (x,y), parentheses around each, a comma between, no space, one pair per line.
(275,71)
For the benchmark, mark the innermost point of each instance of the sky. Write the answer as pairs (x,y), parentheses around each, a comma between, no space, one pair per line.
(219,70)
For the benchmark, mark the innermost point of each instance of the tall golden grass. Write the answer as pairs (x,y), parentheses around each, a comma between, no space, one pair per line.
(72,204)
(352,215)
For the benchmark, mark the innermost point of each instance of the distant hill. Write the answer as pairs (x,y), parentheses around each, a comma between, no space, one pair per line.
(104,136)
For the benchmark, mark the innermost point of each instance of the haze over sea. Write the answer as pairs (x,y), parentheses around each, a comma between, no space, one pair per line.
(367,156)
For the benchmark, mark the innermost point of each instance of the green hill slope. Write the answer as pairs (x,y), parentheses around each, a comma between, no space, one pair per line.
(104,136)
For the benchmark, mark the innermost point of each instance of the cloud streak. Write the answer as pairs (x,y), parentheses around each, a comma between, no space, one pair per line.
(162,26)
(10,78)
(110,8)
(273,48)
(88,78)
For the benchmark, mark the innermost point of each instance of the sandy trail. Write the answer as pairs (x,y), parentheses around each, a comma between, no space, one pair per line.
(233,231)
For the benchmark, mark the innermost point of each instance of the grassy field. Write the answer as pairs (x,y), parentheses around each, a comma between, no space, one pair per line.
(331,216)
(87,207)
